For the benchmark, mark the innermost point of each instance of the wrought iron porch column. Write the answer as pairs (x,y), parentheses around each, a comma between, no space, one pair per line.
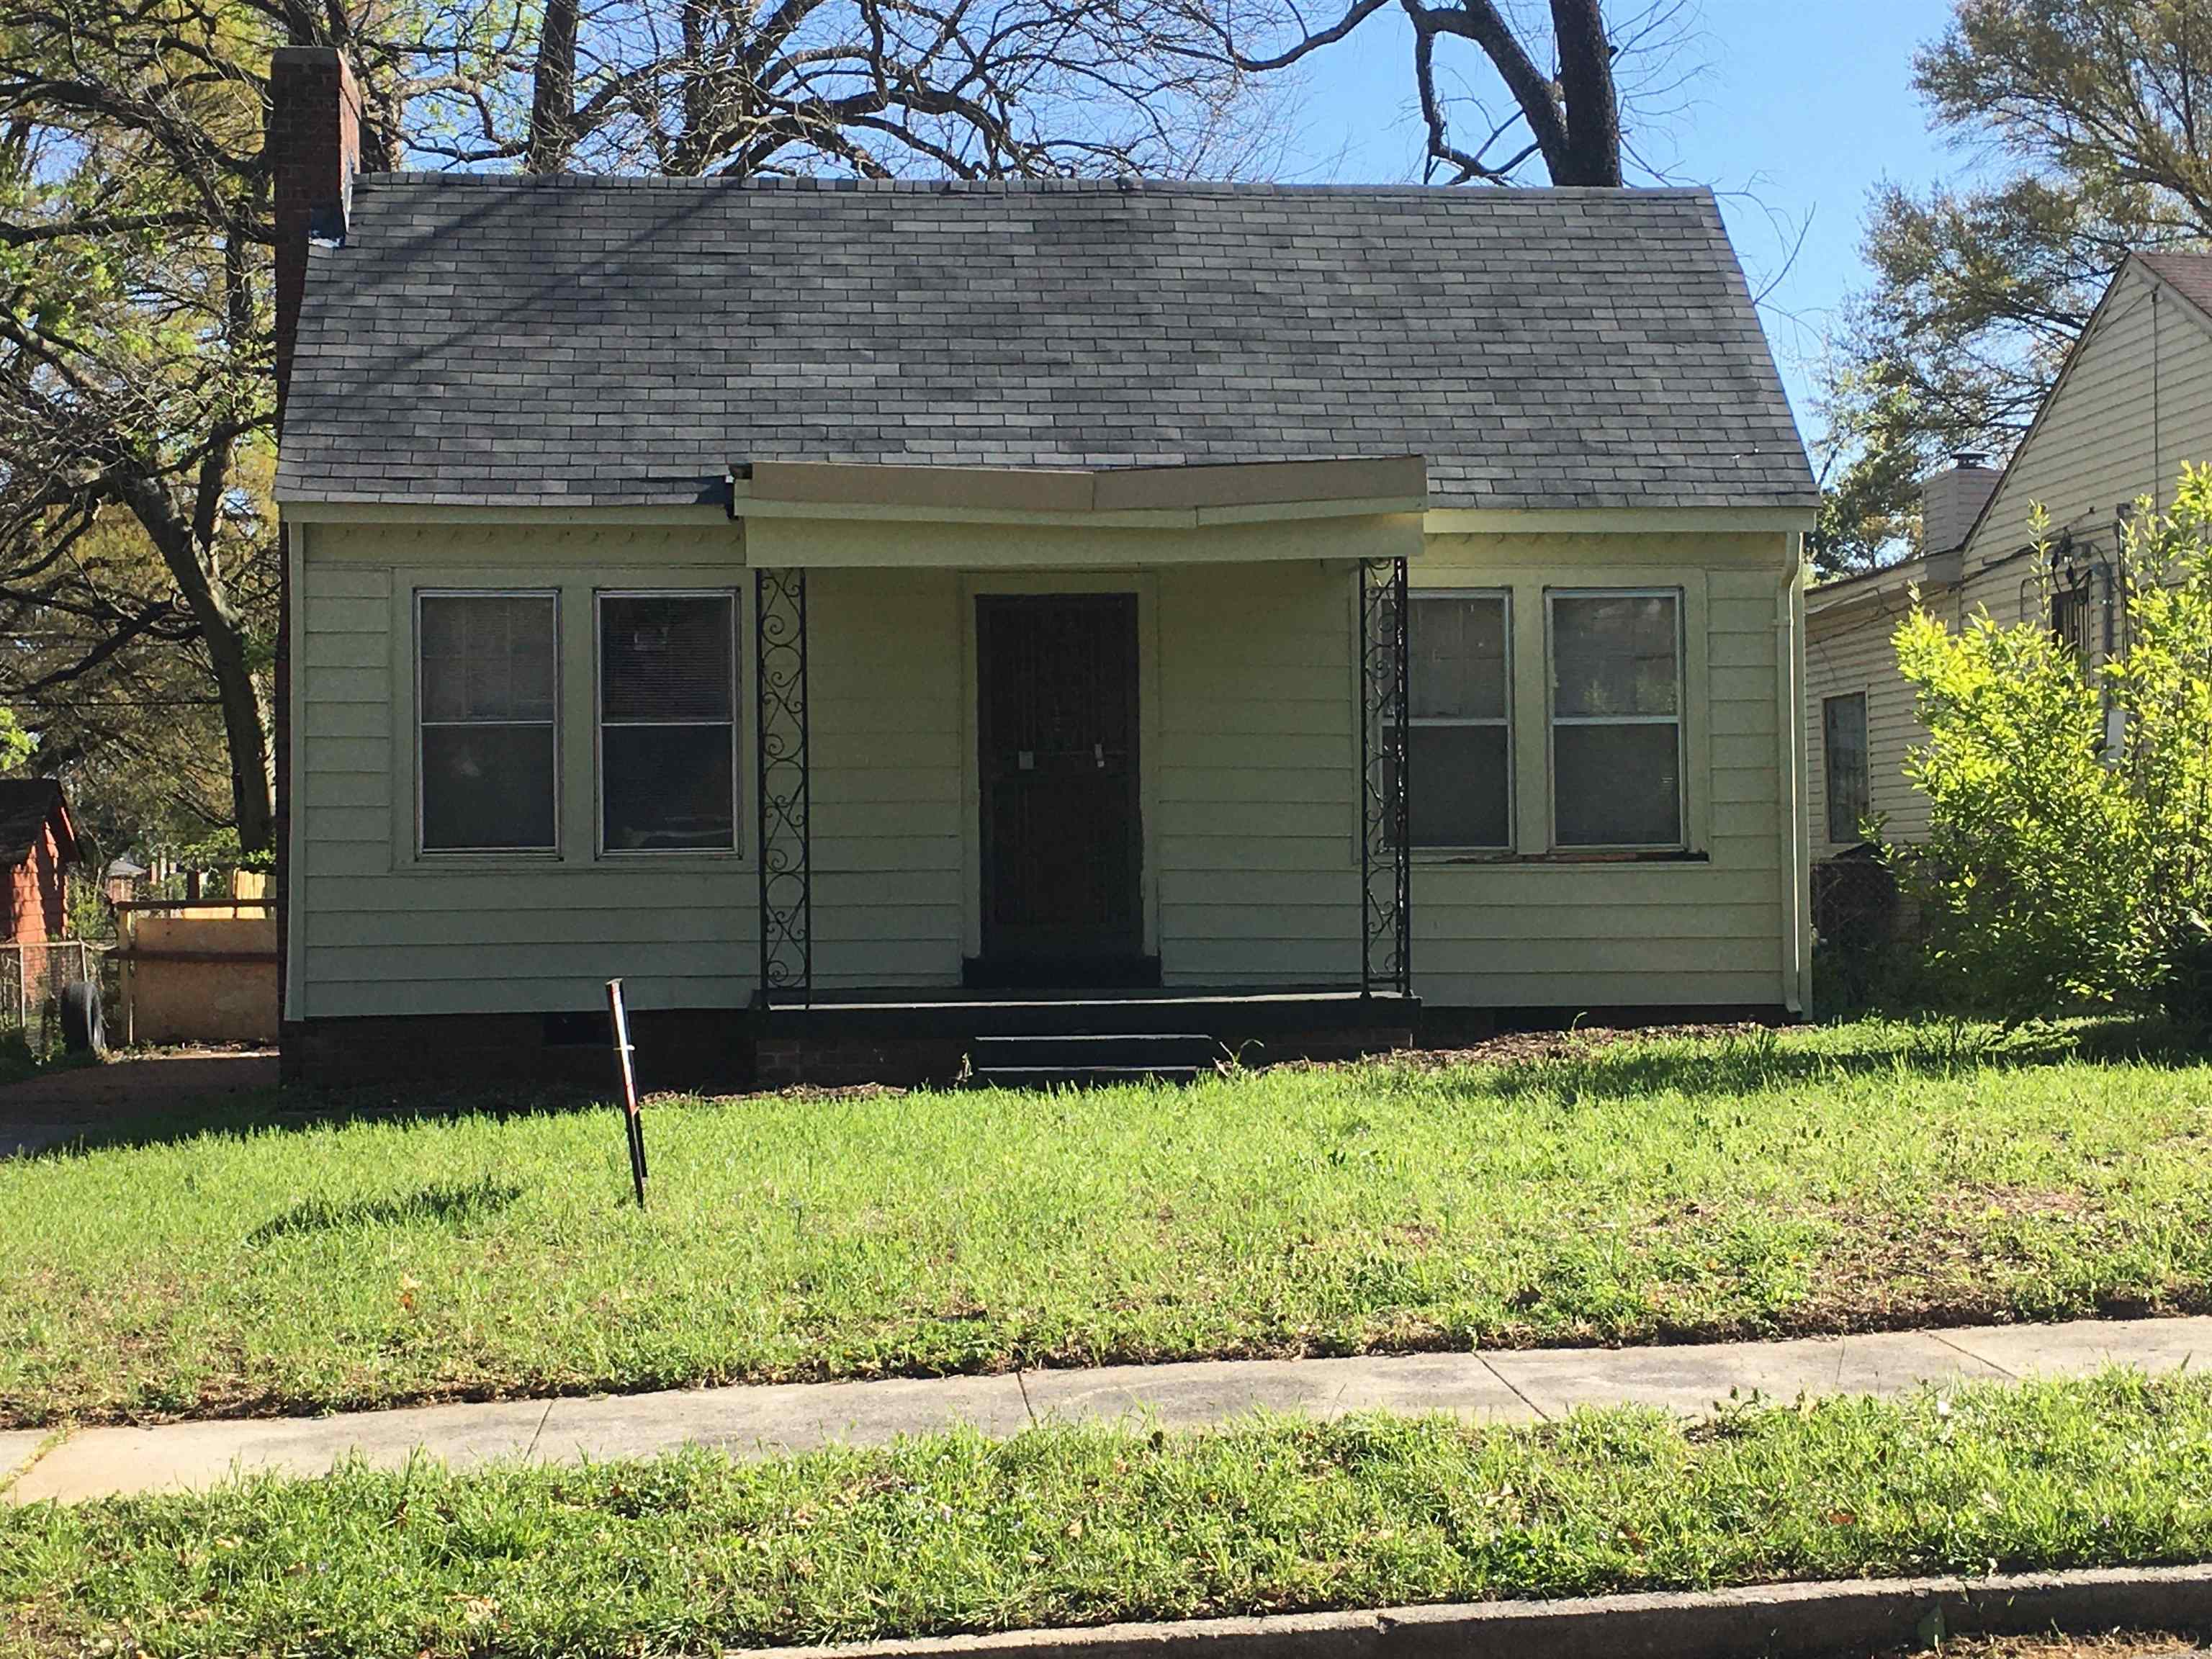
(783,799)
(1386,901)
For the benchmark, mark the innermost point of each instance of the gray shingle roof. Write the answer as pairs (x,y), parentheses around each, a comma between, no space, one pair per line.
(599,341)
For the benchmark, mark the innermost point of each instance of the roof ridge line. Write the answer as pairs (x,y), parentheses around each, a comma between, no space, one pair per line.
(1024,187)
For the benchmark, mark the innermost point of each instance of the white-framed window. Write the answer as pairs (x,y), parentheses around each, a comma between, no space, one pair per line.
(487,721)
(668,740)
(1459,723)
(1616,717)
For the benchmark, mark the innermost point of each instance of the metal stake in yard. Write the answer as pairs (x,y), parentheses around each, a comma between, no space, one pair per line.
(633,1120)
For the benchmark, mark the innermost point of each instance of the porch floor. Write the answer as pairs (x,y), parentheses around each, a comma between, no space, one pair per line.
(959,1011)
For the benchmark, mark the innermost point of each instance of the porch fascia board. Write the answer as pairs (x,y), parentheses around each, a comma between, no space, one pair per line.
(1163,518)
(1147,497)
(693,516)
(1620,521)
(898,539)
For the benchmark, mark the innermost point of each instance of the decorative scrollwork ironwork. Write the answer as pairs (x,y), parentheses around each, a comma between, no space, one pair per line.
(1385,853)
(782,793)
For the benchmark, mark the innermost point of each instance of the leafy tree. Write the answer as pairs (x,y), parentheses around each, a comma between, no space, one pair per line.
(2057,872)
(2087,117)
(137,410)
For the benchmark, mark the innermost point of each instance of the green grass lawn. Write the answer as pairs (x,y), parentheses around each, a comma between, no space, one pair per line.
(1819,1180)
(695,1554)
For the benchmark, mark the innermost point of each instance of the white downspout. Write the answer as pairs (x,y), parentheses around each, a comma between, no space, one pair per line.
(1797,962)
(292,995)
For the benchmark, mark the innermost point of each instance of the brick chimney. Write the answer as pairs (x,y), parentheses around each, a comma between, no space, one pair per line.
(314,146)
(314,149)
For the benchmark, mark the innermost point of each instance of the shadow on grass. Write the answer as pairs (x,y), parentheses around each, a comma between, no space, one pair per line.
(1630,1069)
(443,1203)
(295,1108)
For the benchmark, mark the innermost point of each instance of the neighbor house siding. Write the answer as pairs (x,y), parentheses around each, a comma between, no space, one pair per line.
(1855,654)
(37,907)
(2104,441)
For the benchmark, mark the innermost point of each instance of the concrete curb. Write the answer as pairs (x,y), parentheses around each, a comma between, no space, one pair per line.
(1773,1619)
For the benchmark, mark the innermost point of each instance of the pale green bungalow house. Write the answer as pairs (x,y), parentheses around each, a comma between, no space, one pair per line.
(873,620)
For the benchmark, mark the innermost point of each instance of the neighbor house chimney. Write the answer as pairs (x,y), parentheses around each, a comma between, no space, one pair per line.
(314,149)
(1951,501)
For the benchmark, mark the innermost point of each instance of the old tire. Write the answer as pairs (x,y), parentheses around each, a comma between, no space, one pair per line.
(84,1030)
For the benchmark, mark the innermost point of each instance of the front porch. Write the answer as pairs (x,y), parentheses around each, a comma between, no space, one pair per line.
(1178,747)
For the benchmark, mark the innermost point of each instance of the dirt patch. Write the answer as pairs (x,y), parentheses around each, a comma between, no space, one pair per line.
(57,1106)
(2112,1644)
(1522,1048)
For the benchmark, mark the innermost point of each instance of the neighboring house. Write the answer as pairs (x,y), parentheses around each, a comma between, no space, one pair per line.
(1859,719)
(867,616)
(38,846)
(2131,405)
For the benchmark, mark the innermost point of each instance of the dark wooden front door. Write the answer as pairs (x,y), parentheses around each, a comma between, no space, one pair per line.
(1061,842)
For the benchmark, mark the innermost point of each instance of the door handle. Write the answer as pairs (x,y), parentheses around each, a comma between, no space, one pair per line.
(1099,754)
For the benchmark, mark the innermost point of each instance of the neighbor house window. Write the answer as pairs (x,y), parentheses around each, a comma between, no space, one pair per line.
(1459,738)
(668,731)
(1843,749)
(486,701)
(1616,719)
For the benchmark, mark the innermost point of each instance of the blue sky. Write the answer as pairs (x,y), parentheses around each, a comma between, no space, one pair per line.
(1803,105)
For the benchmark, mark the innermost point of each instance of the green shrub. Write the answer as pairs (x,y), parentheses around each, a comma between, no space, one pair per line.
(2058,869)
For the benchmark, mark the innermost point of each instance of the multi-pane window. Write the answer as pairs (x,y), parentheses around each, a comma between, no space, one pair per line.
(1616,719)
(487,699)
(1460,740)
(668,699)
(1843,749)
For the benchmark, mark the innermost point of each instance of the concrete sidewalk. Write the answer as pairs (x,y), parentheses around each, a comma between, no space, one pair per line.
(1525,1386)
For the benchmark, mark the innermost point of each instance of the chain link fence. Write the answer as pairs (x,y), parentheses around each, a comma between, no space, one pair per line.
(32,979)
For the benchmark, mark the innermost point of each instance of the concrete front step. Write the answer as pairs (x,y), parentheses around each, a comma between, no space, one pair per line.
(1077,1077)
(1083,1061)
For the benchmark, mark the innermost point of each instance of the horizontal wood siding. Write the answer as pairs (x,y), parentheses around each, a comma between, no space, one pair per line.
(1856,655)
(1700,932)
(884,657)
(1257,777)
(1252,792)
(2101,444)
(385,934)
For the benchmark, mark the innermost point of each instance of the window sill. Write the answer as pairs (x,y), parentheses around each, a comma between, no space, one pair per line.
(677,863)
(462,863)
(493,863)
